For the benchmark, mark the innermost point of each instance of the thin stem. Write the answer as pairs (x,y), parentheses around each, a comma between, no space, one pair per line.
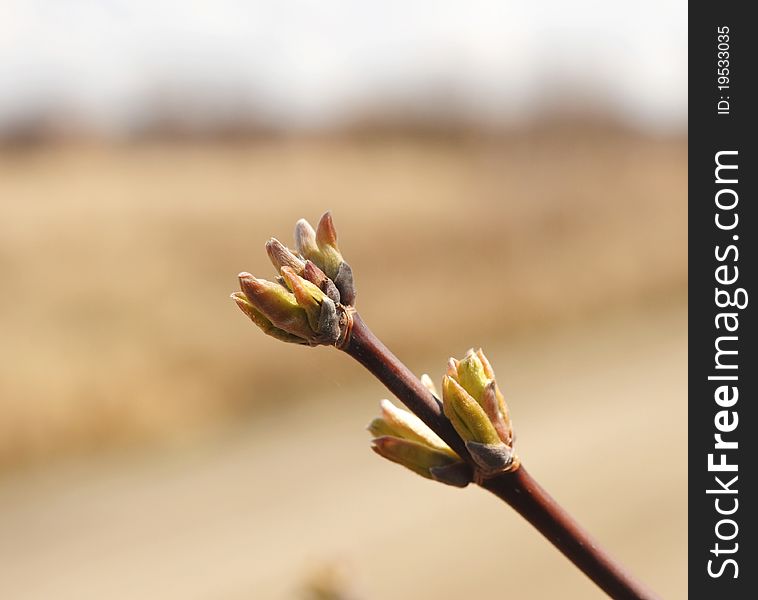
(368,350)
(517,487)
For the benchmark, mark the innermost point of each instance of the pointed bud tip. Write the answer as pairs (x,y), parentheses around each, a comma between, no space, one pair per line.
(448,381)
(312,273)
(273,246)
(486,365)
(281,256)
(385,404)
(326,233)
(390,412)
(250,284)
(307,293)
(378,444)
(452,369)
(428,383)
(305,239)
(304,229)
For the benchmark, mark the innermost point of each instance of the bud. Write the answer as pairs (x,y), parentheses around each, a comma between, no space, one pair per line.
(429,385)
(476,408)
(321,311)
(476,376)
(400,436)
(404,424)
(344,282)
(326,239)
(276,303)
(261,321)
(320,247)
(306,304)
(305,239)
(466,415)
(303,312)
(316,276)
(281,256)
(420,459)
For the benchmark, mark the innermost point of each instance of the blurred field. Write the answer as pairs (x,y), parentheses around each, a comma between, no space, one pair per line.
(117,262)
(259,511)
(502,175)
(153,444)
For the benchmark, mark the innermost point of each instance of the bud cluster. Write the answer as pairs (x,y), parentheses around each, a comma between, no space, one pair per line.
(306,303)
(311,301)
(473,404)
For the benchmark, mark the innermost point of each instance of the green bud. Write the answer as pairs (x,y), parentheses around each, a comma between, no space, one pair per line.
(320,247)
(300,309)
(277,304)
(466,415)
(475,375)
(307,295)
(321,311)
(471,375)
(306,304)
(379,427)
(326,239)
(493,404)
(476,408)
(404,424)
(261,321)
(421,459)
(316,276)
(488,370)
(402,437)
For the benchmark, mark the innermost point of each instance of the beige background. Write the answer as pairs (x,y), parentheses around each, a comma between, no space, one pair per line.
(154,444)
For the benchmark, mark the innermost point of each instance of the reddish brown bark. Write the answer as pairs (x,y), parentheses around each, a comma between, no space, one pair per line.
(517,488)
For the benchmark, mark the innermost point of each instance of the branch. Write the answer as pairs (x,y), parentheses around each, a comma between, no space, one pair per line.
(466,437)
(517,487)
(368,350)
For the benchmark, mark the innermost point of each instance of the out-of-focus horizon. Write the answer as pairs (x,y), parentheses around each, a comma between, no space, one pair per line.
(510,175)
(121,68)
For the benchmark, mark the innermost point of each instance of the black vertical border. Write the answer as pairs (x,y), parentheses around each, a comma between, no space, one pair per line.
(709,133)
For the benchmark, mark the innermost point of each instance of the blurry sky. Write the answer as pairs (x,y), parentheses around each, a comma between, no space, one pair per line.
(313,63)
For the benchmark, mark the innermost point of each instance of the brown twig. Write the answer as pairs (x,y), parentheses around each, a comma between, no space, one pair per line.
(312,302)
(516,487)
(519,489)
(368,350)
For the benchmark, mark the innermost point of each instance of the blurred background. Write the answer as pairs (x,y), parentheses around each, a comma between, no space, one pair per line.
(502,174)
